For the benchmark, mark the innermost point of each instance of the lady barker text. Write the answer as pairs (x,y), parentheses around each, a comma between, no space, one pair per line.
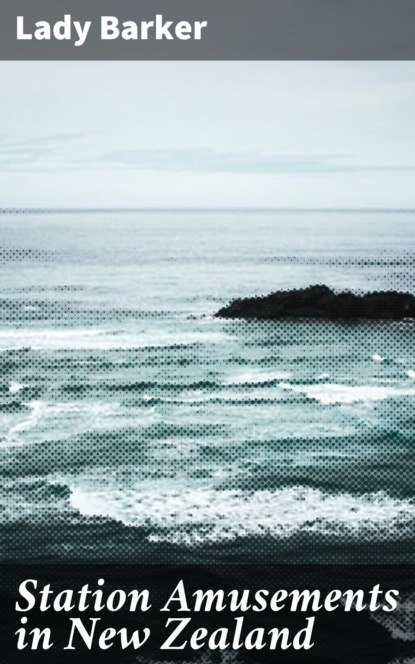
(111,28)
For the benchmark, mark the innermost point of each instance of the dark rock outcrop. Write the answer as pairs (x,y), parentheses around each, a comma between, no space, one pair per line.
(322,302)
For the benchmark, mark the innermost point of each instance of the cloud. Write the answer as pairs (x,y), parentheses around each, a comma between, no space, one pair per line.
(36,153)
(211,161)
(76,152)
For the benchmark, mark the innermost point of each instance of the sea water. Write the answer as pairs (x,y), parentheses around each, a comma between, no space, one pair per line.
(134,422)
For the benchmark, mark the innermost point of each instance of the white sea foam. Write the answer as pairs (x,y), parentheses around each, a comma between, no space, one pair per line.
(377,358)
(100,338)
(411,374)
(201,515)
(15,387)
(257,376)
(329,394)
(36,409)
(59,419)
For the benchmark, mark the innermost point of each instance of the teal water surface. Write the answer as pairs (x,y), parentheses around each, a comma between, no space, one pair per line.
(128,413)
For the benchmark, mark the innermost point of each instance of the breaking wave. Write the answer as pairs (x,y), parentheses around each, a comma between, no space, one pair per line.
(203,516)
(328,394)
(99,339)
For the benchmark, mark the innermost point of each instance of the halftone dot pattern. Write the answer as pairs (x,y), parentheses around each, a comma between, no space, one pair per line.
(143,438)
(180,484)
(137,426)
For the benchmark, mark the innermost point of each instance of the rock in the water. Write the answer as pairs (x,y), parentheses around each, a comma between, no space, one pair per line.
(322,302)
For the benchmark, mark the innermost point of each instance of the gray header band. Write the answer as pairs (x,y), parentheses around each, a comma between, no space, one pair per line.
(236,30)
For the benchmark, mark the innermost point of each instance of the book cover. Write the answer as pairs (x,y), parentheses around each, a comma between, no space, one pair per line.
(207,355)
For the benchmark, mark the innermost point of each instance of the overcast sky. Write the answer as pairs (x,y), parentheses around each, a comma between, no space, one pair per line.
(207,134)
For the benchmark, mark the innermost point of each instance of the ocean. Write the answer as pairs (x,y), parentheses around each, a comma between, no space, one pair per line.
(136,426)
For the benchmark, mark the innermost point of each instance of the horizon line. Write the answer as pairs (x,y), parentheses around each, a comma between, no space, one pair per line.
(62,209)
